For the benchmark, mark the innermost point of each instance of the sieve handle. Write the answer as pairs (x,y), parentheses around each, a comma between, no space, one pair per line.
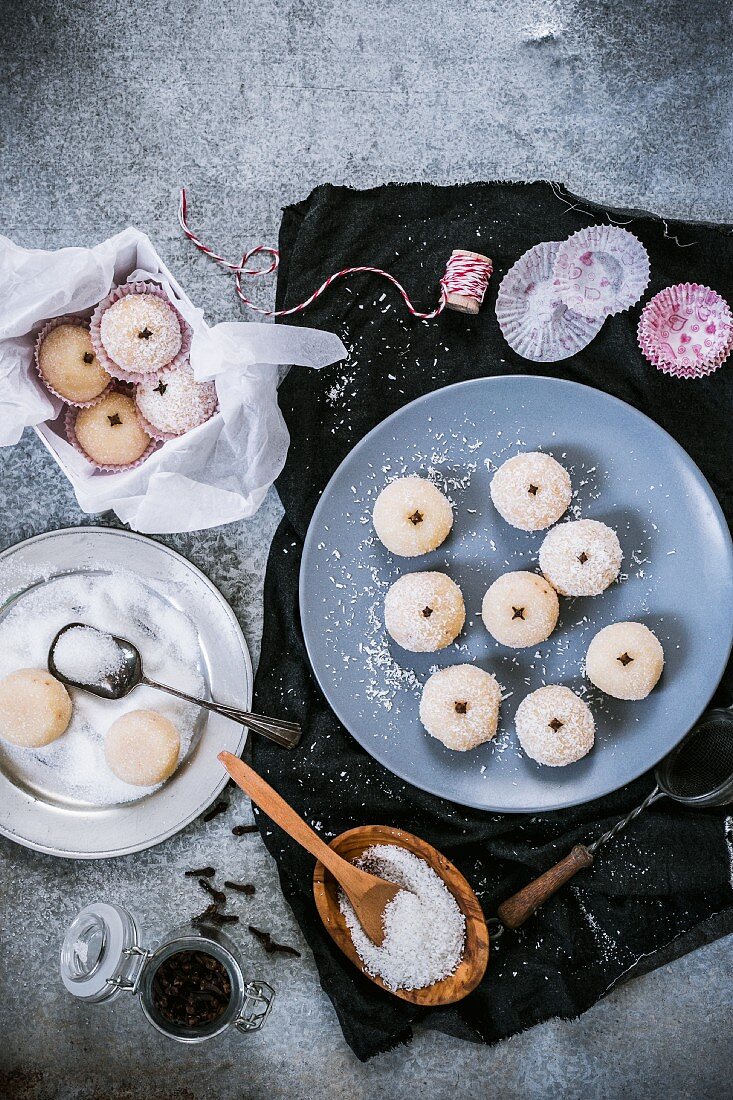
(518,908)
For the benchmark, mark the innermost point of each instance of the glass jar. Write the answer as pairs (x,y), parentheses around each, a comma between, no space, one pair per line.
(101,957)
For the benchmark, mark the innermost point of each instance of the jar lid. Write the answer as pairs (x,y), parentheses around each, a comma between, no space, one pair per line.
(101,955)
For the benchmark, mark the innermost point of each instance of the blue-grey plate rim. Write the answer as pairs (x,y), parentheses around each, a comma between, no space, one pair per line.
(716,671)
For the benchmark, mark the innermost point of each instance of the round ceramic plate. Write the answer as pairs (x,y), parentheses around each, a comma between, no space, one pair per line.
(677,577)
(37,816)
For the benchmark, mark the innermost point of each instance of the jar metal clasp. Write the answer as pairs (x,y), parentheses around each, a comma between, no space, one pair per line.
(131,982)
(258,997)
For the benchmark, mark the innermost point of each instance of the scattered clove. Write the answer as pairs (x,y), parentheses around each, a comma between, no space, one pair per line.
(219,896)
(270,946)
(216,809)
(241,830)
(241,887)
(201,872)
(213,915)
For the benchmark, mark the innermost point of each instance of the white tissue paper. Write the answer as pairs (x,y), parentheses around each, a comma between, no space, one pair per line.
(217,473)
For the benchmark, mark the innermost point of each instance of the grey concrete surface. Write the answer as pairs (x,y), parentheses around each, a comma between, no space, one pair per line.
(107,107)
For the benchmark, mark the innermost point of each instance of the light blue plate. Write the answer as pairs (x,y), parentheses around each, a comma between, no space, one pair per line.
(677,577)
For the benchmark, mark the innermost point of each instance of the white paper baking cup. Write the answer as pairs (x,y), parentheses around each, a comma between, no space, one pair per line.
(601,270)
(534,320)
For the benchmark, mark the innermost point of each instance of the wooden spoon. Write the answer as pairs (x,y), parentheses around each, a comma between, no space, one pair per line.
(368,894)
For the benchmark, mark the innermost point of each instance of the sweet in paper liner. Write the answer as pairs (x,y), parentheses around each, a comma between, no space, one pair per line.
(601,270)
(686,330)
(534,320)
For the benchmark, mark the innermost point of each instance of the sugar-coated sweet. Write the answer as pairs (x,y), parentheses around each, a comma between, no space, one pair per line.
(625,660)
(68,365)
(110,433)
(412,517)
(424,611)
(581,557)
(531,491)
(35,708)
(460,706)
(554,726)
(520,609)
(142,748)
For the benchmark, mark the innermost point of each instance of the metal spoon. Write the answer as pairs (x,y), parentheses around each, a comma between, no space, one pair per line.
(118,684)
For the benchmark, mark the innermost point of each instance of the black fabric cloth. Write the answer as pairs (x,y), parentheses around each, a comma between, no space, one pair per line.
(664,886)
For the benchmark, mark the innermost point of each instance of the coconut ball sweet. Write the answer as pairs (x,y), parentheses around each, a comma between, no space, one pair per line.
(140,333)
(424,612)
(110,433)
(625,660)
(35,708)
(554,726)
(175,402)
(142,748)
(68,365)
(520,609)
(460,706)
(531,491)
(581,557)
(412,517)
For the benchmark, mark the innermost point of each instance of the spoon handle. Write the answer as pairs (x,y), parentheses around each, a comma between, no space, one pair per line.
(282,733)
(283,814)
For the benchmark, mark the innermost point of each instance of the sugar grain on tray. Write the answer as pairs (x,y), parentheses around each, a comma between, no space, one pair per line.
(425,931)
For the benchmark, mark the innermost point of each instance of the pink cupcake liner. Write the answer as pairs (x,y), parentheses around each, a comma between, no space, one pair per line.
(601,270)
(533,319)
(70,426)
(55,322)
(687,329)
(164,437)
(109,364)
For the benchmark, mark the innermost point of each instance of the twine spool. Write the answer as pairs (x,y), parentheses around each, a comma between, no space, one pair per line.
(462,287)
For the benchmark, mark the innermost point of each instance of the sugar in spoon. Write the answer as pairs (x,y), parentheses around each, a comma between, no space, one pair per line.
(118,681)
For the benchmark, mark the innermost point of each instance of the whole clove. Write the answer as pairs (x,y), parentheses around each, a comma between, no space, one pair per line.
(241,887)
(218,895)
(270,945)
(191,989)
(216,809)
(201,872)
(213,915)
(242,830)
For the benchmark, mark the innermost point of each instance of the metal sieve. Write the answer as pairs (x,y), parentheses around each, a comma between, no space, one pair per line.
(697,773)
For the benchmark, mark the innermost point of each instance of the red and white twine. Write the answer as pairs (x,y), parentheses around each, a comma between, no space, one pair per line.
(466,275)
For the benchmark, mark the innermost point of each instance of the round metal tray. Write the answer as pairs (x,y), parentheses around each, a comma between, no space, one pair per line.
(38,818)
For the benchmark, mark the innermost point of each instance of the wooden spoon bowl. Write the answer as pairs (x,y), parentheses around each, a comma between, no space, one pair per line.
(472,966)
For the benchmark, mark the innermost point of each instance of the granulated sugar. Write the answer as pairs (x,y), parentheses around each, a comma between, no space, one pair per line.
(113,601)
(425,931)
(87,656)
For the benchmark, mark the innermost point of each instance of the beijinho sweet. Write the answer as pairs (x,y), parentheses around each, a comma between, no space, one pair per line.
(412,517)
(625,660)
(531,491)
(460,706)
(424,612)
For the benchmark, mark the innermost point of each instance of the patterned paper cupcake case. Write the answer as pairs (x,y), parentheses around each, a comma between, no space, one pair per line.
(48,327)
(533,319)
(686,330)
(109,364)
(70,426)
(601,270)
